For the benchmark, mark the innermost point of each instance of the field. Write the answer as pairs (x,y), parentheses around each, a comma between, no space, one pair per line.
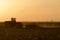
(36,33)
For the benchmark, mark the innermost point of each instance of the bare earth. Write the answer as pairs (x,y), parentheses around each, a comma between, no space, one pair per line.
(13,33)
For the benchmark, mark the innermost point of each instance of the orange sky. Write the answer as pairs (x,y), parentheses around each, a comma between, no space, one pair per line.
(30,10)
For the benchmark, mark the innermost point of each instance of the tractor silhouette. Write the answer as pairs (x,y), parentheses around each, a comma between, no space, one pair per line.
(13,23)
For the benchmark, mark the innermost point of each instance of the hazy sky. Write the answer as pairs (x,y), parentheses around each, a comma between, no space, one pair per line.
(30,10)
